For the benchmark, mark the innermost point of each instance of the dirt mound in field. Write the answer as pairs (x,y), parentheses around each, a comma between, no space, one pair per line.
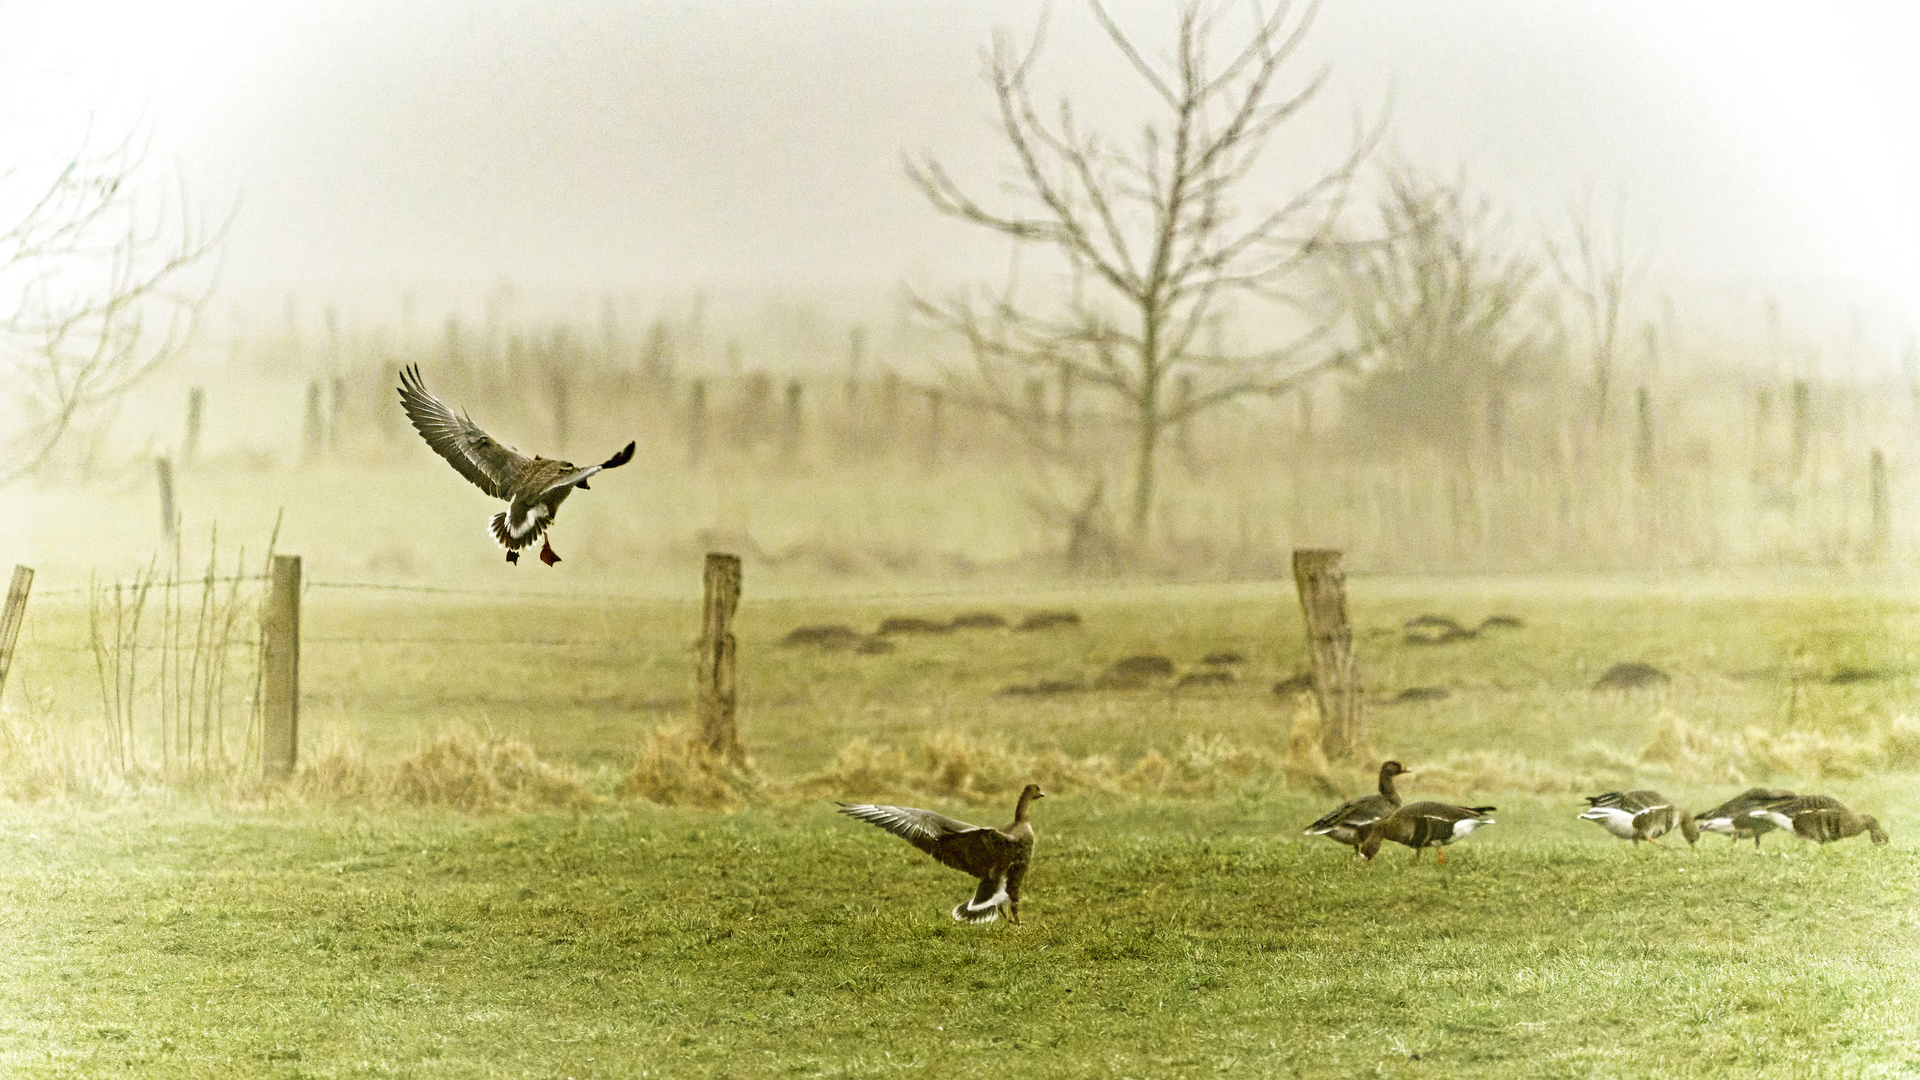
(1632,675)
(1135,672)
(831,637)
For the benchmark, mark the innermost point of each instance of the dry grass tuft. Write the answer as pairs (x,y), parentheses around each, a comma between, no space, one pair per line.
(470,772)
(1684,747)
(1488,770)
(992,771)
(675,768)
(335,770)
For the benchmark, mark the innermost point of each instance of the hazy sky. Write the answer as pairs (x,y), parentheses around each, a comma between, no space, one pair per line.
(437,145)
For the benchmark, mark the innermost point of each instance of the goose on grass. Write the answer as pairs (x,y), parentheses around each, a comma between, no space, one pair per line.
(1639,815)
(1821,819)
(533,487)
(997,856)
(1732,819)
(1424,825)
(1345,823)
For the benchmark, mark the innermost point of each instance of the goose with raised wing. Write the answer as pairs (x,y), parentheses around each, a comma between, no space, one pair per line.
(1424,825)
(1639,815)
(997,856)
(1733,819)
(1346,823)
(1821,819)
(533,487)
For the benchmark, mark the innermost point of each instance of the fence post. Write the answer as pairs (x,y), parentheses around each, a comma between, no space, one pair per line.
(196,411)
(696,422)
(935,399)
(1880,531)
(1322,583)
(280,704)
(314,433)
(717,688)
(169,518)
(10,621)
(791,433)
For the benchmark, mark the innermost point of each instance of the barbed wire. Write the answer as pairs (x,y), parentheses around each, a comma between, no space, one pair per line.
(954,592)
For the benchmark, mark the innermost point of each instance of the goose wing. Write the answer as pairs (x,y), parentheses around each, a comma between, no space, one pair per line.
(579,476)
(472,452)
(1353,813)
(972,849)
(1750,799)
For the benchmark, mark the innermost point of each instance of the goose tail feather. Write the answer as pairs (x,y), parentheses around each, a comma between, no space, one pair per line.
(985,906)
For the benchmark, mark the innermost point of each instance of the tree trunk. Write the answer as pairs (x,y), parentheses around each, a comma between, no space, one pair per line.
(1143,480)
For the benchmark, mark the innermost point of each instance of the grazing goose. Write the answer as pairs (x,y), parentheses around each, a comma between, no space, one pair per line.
(1730,818)
(1821,819)
(998,857)
(1345,823)
(533,487)
(1639,815)
(1424,825)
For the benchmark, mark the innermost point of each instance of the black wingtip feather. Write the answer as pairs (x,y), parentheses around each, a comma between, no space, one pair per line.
(618,459)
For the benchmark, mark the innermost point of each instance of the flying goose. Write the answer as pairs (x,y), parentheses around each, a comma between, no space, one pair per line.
(1639,815)
(1821,819)
(533,487)
(1424,825)
(1731,818)
(1345,823)
(998,857)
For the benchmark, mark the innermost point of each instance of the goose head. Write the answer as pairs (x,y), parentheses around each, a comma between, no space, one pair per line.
(1027,795)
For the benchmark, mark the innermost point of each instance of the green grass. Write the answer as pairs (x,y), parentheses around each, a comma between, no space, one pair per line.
(177,935)
(1161,939)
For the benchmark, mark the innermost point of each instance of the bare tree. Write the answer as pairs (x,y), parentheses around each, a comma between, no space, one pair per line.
(1599,271)
(1156,235)
(1444,302)
(96,289)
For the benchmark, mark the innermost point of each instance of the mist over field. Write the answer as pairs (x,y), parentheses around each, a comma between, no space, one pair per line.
(1185,409)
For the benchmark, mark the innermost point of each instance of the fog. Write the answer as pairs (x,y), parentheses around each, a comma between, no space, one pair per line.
(591,146)
(695,221)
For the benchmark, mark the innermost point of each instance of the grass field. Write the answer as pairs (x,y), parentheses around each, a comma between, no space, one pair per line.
(1161,939)
(166,932)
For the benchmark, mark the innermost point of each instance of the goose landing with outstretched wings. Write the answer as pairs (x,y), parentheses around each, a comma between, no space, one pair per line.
(998,857)
(533,487)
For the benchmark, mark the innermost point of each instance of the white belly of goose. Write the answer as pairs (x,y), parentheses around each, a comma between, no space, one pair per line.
(1613,819)
(1462,828)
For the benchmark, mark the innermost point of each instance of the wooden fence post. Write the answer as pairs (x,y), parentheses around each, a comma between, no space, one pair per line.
(1323,599)
(169,517)
(935,399)
(196,412)
(280,702)
(717,688)
(1880,530)
(696,423)
(314,432)
(791,432)
(10,621)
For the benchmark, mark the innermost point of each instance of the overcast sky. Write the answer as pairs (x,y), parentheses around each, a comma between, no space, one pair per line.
(434,146)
